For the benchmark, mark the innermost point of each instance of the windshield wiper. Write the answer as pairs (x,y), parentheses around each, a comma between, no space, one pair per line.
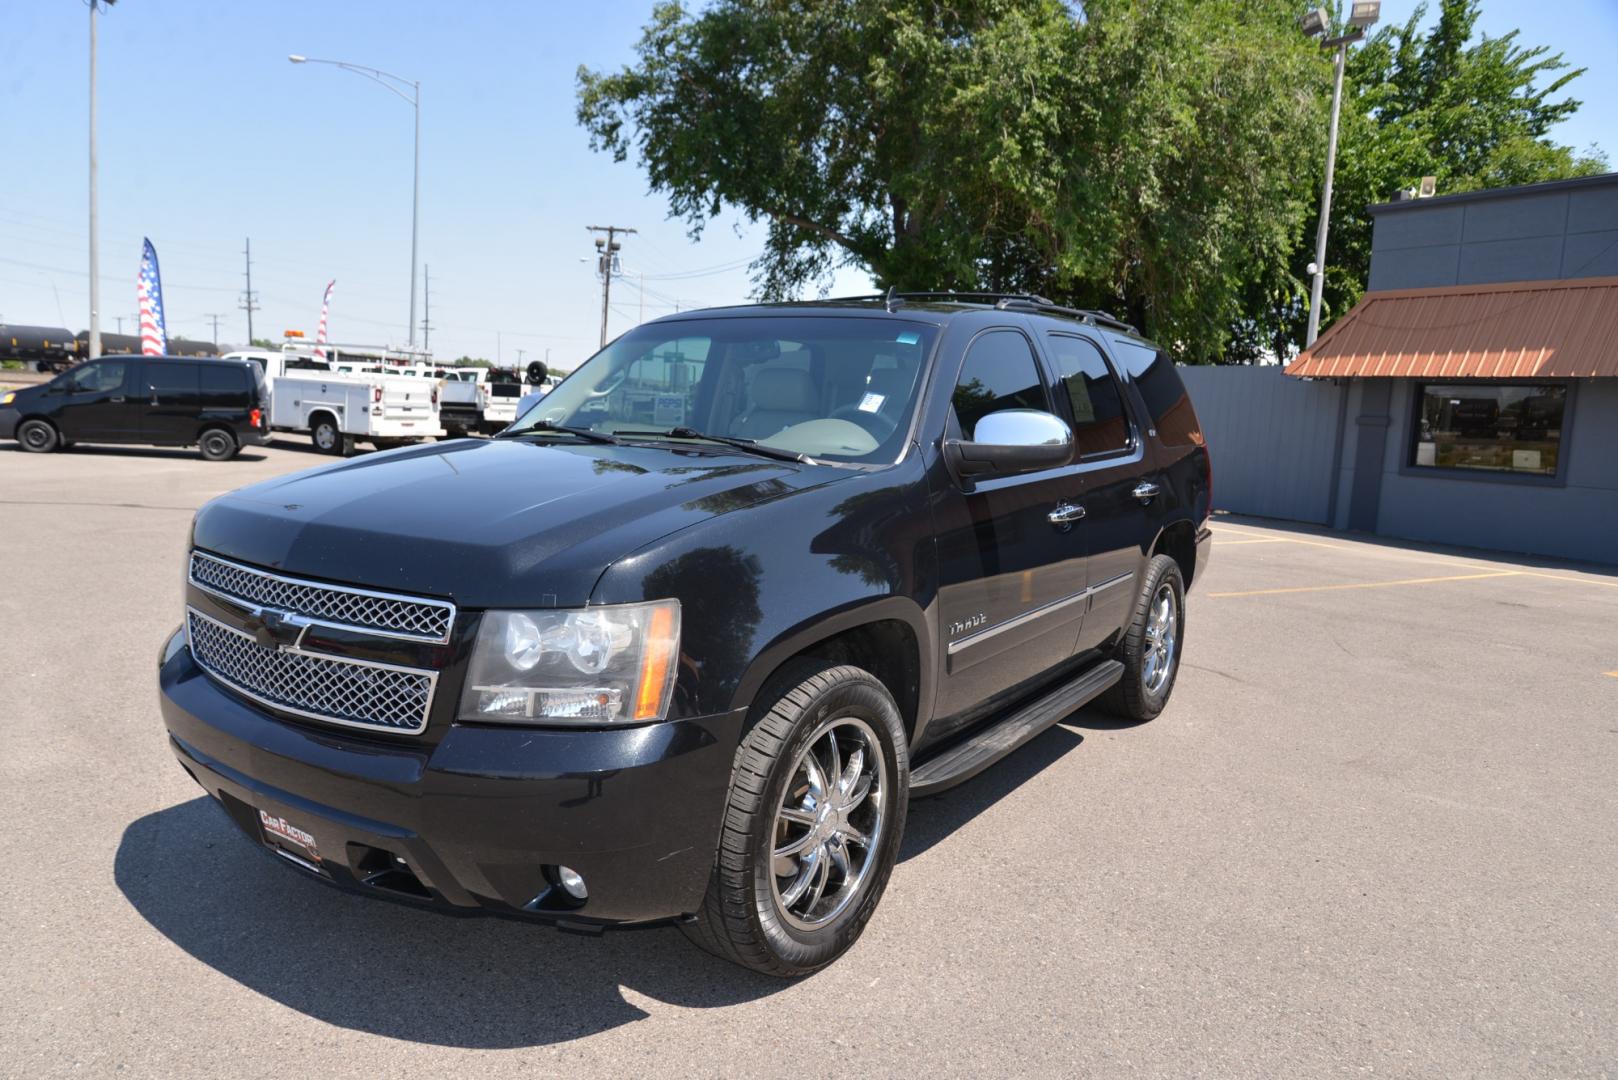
(752,446)
(546,425)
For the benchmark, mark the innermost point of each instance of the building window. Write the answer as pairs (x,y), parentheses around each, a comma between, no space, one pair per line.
(1490,427)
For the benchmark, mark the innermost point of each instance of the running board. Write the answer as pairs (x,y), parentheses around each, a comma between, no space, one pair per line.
(964,760)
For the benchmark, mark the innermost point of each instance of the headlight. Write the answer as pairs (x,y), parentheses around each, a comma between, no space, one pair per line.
(8,397)
(600,665)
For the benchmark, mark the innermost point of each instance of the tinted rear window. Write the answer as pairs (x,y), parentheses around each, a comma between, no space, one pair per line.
(223,379)
(1159,384)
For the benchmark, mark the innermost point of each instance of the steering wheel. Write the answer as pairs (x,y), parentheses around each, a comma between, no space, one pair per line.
(879,426)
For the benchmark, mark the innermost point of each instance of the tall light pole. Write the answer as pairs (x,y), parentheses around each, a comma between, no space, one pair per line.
(395,84)
(1316,24)
(95,216)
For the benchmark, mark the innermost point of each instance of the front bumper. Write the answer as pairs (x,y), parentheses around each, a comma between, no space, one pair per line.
(8,422)
(477,821)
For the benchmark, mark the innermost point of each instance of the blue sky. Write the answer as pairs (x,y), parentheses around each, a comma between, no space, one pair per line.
(209,135)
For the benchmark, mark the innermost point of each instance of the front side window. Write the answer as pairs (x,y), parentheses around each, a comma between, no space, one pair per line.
(1488,427)
(1100,425)
(97,378)
(830,387)
(999,372)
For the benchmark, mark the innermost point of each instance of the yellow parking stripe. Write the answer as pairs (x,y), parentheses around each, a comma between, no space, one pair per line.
(1366,584)
(1614,674)
(1459,561)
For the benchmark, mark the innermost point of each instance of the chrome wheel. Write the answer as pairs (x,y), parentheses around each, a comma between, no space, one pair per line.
(828,827)
(1162,634)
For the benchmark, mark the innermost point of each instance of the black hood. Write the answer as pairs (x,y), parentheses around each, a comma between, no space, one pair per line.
(502,523)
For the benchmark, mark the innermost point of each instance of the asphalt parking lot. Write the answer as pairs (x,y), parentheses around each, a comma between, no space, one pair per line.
(1376,832)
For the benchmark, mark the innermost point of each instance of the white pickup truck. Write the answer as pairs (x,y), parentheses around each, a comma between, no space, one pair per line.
(339,409)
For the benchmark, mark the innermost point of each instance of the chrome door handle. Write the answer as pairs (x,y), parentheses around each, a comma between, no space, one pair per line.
(1065,514)
(1145,490)
(119,400)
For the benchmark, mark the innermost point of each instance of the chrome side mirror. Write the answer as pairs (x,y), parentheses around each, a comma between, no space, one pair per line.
(1012,441)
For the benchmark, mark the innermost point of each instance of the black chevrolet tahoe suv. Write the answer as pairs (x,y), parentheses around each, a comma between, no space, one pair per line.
(218,406)
(681,642)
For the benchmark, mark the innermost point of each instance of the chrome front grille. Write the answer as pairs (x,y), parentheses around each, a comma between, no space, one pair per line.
(336,605)
(339,690)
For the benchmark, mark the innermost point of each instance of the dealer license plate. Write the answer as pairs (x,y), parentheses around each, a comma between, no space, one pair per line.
(280,832)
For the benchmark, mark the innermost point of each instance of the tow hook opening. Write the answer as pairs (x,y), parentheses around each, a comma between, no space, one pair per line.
(385,870)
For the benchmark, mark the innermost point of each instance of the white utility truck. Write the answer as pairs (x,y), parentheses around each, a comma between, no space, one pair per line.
(341,408)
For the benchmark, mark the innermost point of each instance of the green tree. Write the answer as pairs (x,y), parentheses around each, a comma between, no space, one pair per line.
(1472,114)
(264,343)
(1141,157)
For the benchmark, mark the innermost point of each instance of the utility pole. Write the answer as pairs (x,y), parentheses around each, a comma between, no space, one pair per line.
(606,254)
(427,308)
(519,358)
(249,302)
(215,316)
(95,224)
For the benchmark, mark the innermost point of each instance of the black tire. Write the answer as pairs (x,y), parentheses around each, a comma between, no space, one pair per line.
(326,436)
(217,444)
(743,918)
(38,436)
(1143,691)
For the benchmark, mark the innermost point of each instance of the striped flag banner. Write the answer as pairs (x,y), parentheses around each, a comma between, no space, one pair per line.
(154,338)
(320,333)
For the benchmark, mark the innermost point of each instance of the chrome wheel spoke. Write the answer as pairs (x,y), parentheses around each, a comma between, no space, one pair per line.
(853,834)
(839,859)
(793,847)
(808,868)
(862,788)
(834,768)
(851,773)
(821,874)
(798,815)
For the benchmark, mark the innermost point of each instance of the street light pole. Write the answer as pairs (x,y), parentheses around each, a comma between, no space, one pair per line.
(393,82)
(1317,23)
(1318,286)
(94,343)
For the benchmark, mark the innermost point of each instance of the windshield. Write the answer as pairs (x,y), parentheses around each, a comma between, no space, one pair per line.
(829,387)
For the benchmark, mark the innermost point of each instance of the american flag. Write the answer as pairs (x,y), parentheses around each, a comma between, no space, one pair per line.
(154,339)
(320,333)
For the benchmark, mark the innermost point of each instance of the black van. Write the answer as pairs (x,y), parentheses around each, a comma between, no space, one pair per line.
(214,405)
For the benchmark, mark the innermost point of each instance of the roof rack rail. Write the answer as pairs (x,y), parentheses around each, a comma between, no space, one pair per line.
(1089,315)
(893,300)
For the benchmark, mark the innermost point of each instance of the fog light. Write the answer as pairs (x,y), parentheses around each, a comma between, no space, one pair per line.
(571,882)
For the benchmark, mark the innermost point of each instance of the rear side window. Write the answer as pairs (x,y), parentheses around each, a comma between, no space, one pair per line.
(224,383)
(999,373)
(1100,424)
(1160,385)
(176,379)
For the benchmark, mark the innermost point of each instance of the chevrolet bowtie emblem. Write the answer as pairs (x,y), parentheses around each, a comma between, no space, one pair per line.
(276,629)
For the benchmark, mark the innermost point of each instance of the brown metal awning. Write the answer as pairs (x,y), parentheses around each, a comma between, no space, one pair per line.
(1522,329)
